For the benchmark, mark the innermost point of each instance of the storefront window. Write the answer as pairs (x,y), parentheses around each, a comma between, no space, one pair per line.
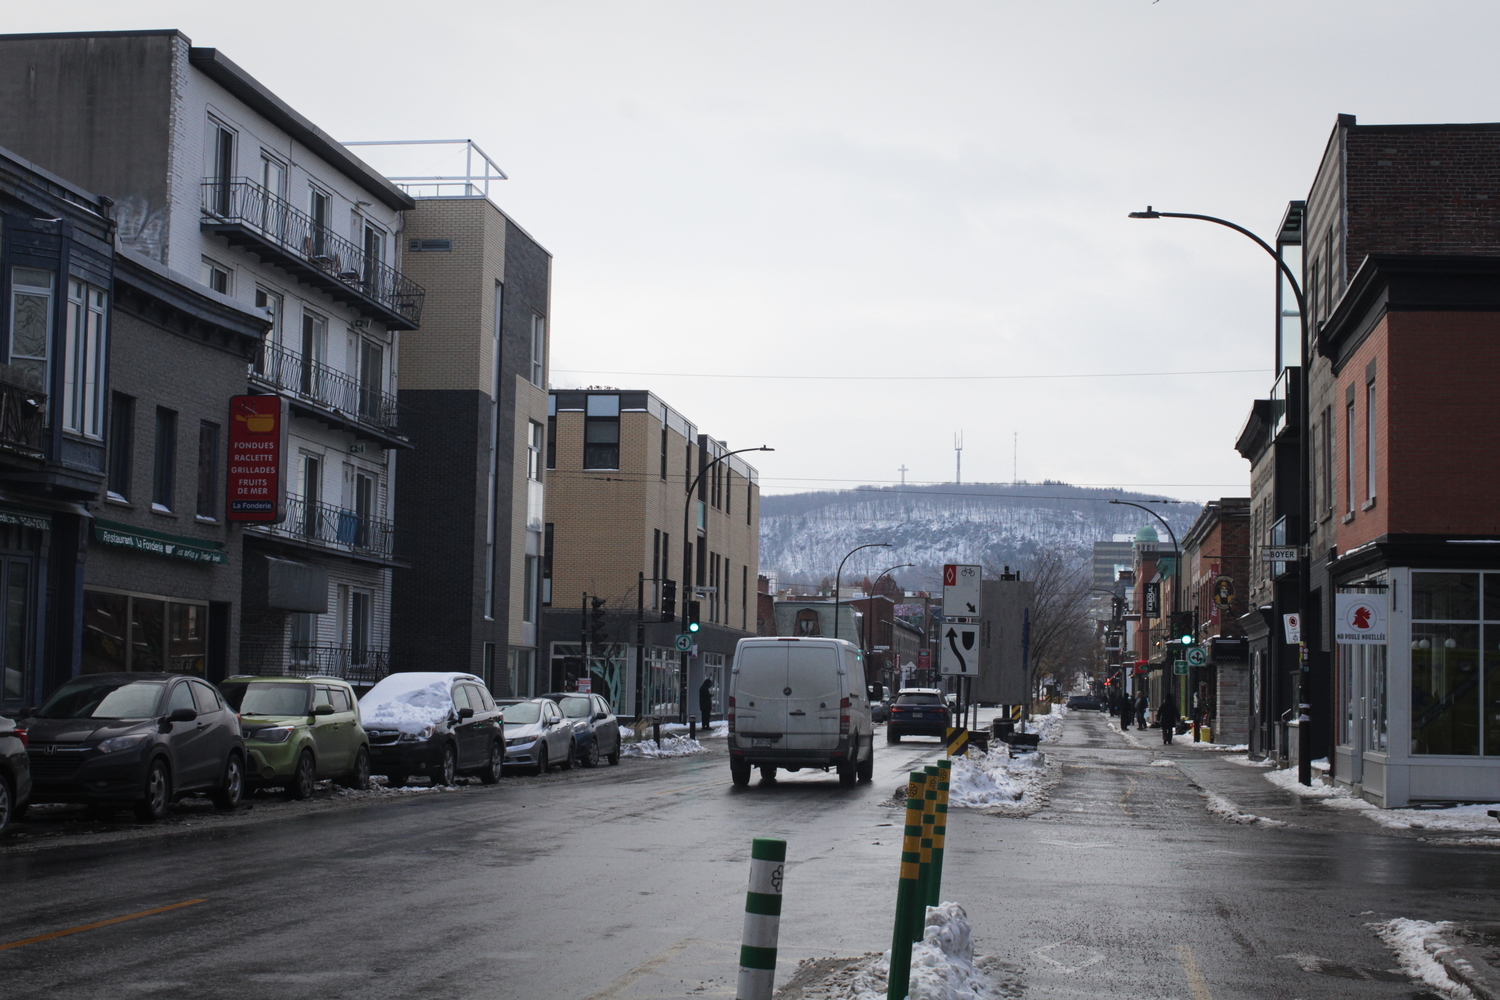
(1375,660)
(17,619)
(105,618)
(189,652)
(1445,659)
(125,632)
(147,632)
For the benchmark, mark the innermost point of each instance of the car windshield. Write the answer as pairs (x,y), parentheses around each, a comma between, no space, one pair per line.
(103,699)
(919,699)
(577,708)
(523,714)
(267,699)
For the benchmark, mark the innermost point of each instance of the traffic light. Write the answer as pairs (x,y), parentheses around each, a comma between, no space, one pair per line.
(692,610)
(1182,627)
(668,600)
(596,619)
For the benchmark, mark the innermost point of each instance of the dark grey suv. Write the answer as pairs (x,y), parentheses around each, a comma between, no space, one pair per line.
(137,739)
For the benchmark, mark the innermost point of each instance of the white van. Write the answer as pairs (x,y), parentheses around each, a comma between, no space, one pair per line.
(799,702)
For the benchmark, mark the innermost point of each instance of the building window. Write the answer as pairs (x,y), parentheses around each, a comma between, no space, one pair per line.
(141,632)
(31,323)
(534,451)
(374,258)
(15,626)
(547,566)
(371,381)
(317,207)
(601,432)
(744,596)
(488,667)
(121,433)
(1370,441)
(314,348)
(538,351)
(1455,619)
(223,161)
(361,626)
(1329,436)
(84,354)
(215,276)
(304,637)
(664,452)
(208,470)
(1349,455)
(164,471)
(529,589)
(271,303)
(551,432)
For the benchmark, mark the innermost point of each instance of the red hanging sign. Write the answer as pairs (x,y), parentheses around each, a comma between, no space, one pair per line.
(257,444)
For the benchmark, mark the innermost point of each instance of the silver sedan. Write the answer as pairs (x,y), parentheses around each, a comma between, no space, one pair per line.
(537,736)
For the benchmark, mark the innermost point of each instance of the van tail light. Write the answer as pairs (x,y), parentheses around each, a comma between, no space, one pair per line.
(730,714)
(844,717)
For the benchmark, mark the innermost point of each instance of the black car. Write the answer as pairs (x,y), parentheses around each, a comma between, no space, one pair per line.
(436,724)
(15,773)
(918,712)
(138,739)
(1083,702)
(596,729)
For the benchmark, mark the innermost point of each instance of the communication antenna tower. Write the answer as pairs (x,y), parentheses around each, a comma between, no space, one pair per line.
(958,458)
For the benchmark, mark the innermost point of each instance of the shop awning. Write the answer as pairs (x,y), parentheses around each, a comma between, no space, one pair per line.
(159,543)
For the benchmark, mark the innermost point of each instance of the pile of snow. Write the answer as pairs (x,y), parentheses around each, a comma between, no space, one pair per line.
(998,784)
(671,746)
(1187,740)
(409,702)
(1417,944)
(1469,818)
(1222,807)
(942,963)
(1049,727)
(719,730)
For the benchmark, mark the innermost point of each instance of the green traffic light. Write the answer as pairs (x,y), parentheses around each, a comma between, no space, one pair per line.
(1187,640)
(693,626)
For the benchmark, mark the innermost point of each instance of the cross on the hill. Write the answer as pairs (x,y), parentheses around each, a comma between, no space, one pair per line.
(902,470)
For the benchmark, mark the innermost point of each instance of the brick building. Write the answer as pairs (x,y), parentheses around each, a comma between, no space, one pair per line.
(474,404)
(1216,584)
(619,464)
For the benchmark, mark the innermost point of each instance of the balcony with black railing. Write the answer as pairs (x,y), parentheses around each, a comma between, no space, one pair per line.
(249,216)
(23,413)
(360,666)
(327,393)
(313,524)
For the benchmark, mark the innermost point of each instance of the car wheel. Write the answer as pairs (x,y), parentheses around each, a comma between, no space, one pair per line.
(449,769)
(865,769)
(591,753)
(304,779)
(158,792)
(892,735)
(739,773)
(7,805)
(490,775)
(541,757)
(767,773)
(359,777)
(227,796)
(572,755)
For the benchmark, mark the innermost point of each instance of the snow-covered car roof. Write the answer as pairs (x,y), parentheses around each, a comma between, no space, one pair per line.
(410,701)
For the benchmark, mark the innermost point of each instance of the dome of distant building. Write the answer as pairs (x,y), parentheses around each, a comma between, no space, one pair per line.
(1147,534)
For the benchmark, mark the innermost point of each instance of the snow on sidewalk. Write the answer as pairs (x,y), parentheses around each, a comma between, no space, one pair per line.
(671,746)
(1467,818)
(997,784)
(1422,952)
(943,966)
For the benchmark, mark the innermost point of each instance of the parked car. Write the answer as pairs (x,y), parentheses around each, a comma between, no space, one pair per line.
(1085,701)
(799,702)
(880,710)
(537,734)
(918,712)
(436,724)
(298,730)
(139,739)
(15,773)
(596,729)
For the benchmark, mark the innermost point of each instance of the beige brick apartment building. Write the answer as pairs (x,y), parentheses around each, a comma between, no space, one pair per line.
(619,464)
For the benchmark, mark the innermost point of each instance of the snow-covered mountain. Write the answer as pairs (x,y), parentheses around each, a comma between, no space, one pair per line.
(804,535)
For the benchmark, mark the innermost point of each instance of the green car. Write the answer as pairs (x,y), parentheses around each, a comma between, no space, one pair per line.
(298,730)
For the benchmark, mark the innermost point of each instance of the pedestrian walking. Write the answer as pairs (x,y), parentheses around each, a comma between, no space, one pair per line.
(706,700)
(1142,706)
(1127,713)
(1166,715)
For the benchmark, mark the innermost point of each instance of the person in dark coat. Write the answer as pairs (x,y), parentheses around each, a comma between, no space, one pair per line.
(1167,716)
(1127,712)
(706,700)
(1141,707)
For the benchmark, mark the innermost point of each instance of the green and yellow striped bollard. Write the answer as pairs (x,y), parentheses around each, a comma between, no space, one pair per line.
(939,833)
(924,866)
(898,981)
(762,919)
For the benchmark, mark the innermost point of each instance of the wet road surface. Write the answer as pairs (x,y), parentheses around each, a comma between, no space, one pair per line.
(627,883)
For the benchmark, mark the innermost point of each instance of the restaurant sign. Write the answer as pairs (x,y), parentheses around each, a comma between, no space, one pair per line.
(159,543)
(257,443)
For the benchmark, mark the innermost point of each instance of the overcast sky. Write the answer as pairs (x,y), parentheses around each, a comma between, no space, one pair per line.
(891,193)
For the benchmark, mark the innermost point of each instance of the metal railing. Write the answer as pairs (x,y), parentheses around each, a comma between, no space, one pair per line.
(359,666)
(319,383)
(335,527)
(23,412)
(242,201)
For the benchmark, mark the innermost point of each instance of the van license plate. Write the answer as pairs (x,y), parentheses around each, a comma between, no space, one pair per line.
(762,741)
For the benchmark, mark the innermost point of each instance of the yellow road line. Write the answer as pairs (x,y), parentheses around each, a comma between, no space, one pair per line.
(99,923)
(1195,979)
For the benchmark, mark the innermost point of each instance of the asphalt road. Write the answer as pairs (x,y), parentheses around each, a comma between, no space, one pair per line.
(628,883)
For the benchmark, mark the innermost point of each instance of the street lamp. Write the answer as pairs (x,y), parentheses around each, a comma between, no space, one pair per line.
(869,634)
(1176,559)
(838,576)
(688,553)
(1304,730)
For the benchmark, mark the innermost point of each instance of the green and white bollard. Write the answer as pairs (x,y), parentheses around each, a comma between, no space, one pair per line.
(762,920)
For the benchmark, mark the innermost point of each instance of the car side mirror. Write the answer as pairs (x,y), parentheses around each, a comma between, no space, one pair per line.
(600,716)
(182,715)
(466,713)
(322,710)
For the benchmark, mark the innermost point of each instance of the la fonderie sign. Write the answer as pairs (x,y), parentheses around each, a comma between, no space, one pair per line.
(159,544)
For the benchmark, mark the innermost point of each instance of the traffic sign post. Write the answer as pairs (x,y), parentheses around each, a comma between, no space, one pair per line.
(684,643)
(1180,668)
(1197,656)
(960,646)
(961,590)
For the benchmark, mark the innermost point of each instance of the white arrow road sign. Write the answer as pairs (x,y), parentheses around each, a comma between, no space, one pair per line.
(960,650)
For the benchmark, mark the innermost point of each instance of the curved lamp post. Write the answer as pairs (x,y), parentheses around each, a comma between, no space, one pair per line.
(869,637)
(688,554)
(1176,554)
(1304,730)
(838,576)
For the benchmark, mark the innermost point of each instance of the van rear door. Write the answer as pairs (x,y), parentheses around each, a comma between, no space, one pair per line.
(812,708)
(759,683)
